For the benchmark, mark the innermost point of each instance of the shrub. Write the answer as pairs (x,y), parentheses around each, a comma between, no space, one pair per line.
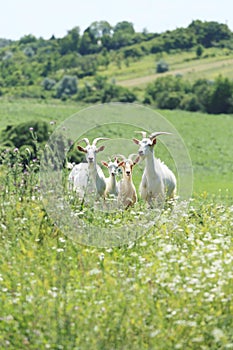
(190,103)
(162,66)
(117,93)
(67,86)
(48,84)
(199,50)
(169,100)
(25,137)
(21,134)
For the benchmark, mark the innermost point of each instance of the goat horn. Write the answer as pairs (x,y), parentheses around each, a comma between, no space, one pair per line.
(98,139)
(132,155)
(155,134)
(121,156)
(86,140)
(141,132)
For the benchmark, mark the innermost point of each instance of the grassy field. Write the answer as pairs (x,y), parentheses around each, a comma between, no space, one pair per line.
(170,289)
(142,71)
(207,137)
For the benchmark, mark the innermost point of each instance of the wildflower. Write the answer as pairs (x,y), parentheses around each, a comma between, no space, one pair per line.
(101,256)
(218,334)
(16,150)
(31,128)
(95,271)
(59,250)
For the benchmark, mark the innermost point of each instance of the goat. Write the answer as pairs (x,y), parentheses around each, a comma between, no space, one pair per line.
(158,181)
(127,195)
(111,182)
(89,177)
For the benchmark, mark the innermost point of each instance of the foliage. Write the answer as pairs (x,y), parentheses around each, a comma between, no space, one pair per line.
(199,51)
(67,86)
(20,134)
(48,83)
(190,102)
(209,33)
(104,92)
(30,67)
(221,100)
(24,140)
(27,61)
(162,66)
(171,288)
(174,92)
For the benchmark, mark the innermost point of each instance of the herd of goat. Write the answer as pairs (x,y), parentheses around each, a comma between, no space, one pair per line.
(158,182)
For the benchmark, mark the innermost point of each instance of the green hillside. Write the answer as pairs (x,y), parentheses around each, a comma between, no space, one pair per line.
(141,278)
(116,63)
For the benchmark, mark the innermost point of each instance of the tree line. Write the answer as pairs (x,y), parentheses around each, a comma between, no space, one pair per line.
(35,67)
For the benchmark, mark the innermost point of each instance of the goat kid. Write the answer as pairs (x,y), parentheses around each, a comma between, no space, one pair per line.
(88,177)
(158,181)
(127,195)
(111,182)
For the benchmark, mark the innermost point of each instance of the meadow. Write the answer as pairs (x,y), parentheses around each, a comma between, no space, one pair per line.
(172,288)
(138,73)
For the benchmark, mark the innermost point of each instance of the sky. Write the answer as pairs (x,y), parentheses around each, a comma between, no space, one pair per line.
(44,18)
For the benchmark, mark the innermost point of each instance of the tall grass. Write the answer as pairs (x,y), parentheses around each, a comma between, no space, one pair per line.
(170,289)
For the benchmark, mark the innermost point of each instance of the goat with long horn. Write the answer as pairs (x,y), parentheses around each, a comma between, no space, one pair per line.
(88,177)
(158,181)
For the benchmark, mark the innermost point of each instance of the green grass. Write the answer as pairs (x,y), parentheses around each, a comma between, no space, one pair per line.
(170,289)
(207,137)
(138,73)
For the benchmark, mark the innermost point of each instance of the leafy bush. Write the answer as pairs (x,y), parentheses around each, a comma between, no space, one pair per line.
(21,134)
(117,93)
(190,103)
(162,66)
(48,84)
(67,86)
(169,100)
(199,51)
(221,98)
(23,141)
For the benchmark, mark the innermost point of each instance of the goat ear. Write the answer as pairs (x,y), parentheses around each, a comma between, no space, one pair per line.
(136,160)
(121,163)
(81,149)
(104,163)
(136,141)
(154,141)
(100,149)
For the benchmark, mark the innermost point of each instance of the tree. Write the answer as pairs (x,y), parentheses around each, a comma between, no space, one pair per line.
(199,50)
(125,27)
(221,98)
(101,28)
(208,33)
(48,84)
(203,89)
(27,39)
(70,42)
(67,86)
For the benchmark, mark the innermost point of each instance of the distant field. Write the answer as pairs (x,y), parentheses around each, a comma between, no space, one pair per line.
(142,71)
(208,138)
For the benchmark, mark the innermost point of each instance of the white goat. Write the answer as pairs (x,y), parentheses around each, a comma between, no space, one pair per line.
(127,195)
(88,177)
(158,181)
(111,182)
